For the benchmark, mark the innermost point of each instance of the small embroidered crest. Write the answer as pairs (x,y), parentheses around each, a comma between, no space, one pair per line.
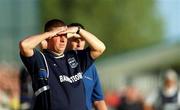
(72,62)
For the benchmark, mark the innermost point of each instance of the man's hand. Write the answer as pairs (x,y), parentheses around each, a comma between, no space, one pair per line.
(70,35)
(71,30)
(57,32)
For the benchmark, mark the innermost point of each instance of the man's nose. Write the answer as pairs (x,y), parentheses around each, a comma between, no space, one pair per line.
(79,40)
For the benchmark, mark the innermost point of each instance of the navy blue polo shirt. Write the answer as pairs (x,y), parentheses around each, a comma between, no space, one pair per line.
(65,79)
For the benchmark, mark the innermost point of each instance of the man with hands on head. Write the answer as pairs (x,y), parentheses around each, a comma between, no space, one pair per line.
(56,74)
(93,90)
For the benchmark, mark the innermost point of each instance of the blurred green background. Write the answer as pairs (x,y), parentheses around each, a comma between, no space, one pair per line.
(123,25)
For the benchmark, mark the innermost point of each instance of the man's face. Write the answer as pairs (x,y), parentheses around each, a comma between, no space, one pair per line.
(76,43)
(170,83)
(58,43)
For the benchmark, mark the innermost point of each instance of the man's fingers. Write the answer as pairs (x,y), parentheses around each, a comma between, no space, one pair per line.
(70,35)
(77,36)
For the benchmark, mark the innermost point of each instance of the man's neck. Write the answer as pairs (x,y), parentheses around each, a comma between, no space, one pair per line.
(57,54)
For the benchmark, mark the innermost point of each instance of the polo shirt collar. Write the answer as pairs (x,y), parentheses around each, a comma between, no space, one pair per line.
(56,55)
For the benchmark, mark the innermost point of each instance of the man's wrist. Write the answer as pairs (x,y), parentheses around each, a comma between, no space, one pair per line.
(78,30)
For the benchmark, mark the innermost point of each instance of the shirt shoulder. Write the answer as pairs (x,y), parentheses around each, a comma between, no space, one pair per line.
(33,62)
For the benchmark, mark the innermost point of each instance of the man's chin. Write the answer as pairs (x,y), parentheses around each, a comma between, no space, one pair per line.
(61,50)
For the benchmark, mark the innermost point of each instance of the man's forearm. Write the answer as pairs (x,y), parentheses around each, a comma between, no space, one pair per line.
(32,41)
(100,105)
(28,44)
(97,46)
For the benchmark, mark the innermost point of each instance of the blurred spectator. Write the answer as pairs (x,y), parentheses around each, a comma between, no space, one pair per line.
(166,97)
(9,88)
(111,99)
(26,91)
(4,98)
(130,100)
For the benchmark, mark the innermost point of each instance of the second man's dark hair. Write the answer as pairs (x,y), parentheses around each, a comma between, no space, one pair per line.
(76,24)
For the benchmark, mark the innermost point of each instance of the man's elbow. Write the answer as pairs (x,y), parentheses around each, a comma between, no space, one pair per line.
(96,53)
(25,49)
(103,48)
(23,45)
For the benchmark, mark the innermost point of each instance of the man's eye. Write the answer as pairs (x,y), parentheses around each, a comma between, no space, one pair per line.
(64,35)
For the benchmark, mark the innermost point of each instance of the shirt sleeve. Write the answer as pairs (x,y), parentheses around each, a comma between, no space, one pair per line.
(97,93)
(31,63)
(85,59)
